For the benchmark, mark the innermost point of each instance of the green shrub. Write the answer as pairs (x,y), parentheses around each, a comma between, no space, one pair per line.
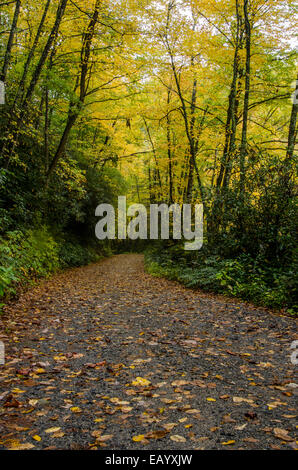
(35,252)
(244,277)
(7,275)
(28,255)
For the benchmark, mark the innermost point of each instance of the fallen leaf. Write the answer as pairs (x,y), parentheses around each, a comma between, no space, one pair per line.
(76,409)
(177,438)
(51,430)
(282,434)
(139,381)
(228,443)
(139,438)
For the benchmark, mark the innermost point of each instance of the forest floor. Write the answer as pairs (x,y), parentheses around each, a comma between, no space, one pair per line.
(108,357)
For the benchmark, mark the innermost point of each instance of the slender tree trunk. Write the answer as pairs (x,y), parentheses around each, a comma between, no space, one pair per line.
(169,145)
(187,120)
(230,138)
(243,149)
(138,188)
(285,181)
(46,129)
(151,195)
(230,130)
(24,105)
(193,143)
(75,108)
(293,126)
(20,91)
(287,167)
(156,172)
(12,33)
(44,56)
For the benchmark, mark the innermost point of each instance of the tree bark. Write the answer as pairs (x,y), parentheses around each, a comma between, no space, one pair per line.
(75,108)
(13,29)
(287,167)
(7,149)
(192,146)
(20,91)
(43,58)
(230,129)
(169,145)
(293,126)
(188,121)
(156,173)
(243,149)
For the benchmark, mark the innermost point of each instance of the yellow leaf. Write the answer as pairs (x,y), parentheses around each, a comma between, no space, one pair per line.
(228,443)
(76,409)
(211,399)
(139,381)
(139,438)
(20,446)
(36,438)
(50,430)
(28,411)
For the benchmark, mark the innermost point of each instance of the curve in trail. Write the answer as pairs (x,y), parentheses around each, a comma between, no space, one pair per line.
(107,356)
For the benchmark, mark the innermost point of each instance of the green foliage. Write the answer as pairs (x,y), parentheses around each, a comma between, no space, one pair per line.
(72,253)
(35,252)
(7,276)
(242,277)
(32,254)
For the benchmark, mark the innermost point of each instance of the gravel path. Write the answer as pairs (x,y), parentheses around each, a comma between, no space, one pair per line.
(108,357)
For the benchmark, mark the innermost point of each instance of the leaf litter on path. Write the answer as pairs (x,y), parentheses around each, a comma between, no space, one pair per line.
(108,356)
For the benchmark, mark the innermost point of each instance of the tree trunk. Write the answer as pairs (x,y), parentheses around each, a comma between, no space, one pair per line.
(293,126)
(192,143)
(20,91)
(230,132)
(46,129)
(7,149)
(75,108)
(156,172)
(287,168)
(13,29)
(243,149)
(44,56)
(169,145)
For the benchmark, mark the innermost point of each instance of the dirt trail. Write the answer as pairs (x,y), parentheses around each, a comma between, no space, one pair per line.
(110,357)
